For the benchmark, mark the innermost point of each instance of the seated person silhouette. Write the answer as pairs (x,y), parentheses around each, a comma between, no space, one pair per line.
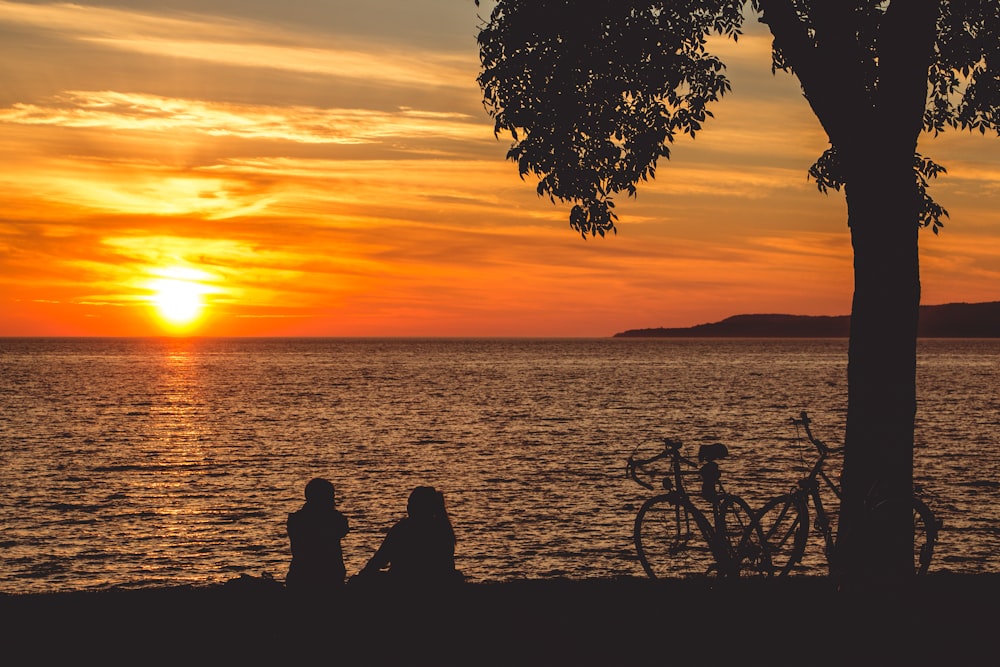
(314,532)
(420,548)
(710,472)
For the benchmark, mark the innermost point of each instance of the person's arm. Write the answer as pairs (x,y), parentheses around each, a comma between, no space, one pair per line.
(342,526)
(291,528)
(382,556)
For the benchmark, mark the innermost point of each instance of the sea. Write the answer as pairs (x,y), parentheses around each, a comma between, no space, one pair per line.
(151,462)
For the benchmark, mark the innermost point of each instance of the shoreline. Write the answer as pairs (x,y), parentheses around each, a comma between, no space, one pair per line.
(942,618)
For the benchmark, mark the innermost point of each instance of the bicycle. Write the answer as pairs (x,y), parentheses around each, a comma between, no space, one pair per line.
(784,525)
(725,542)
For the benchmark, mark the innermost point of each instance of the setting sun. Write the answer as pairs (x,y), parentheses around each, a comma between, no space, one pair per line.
(177,297)
(178,301)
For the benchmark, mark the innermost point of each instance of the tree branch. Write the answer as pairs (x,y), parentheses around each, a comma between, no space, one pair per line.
(819,68)
(906,50)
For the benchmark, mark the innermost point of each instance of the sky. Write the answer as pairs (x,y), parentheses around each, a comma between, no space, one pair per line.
(327,168)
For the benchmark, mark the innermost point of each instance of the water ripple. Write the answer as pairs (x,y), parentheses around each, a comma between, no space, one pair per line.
(142,462)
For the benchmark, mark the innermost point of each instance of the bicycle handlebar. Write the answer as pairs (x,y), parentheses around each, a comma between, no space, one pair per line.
(671,450)
(823,449)
(630,472)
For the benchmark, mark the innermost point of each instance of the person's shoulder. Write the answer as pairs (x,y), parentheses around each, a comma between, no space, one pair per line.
(401,526)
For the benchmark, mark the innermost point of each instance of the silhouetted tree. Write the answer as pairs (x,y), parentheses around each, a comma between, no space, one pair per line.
(594,91)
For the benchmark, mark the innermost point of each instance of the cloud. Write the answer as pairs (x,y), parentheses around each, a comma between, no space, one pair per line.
(120,111)
(243,43)
(401,68)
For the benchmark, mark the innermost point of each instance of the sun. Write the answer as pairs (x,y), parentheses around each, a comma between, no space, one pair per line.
(178,297)
(178,301)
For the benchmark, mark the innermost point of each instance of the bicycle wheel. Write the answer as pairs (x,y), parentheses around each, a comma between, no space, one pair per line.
(741,537)
(784,529)
(925,528)
(669,541)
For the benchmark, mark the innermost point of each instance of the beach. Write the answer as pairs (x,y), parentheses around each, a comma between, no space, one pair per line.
(939,619)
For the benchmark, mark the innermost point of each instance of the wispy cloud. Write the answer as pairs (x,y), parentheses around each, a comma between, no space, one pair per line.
(401,68)
(244,43)
(119,111)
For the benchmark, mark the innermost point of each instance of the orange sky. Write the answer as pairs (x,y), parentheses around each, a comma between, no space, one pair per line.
(325,168)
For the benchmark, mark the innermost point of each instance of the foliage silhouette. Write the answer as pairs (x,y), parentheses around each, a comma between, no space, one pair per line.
(594,91)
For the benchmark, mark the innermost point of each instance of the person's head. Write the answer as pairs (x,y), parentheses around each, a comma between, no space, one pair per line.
(320,491)
(425,501)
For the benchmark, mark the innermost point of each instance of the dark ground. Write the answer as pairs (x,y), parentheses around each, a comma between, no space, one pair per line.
(942,620)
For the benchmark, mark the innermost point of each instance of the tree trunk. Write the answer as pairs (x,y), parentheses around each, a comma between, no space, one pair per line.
(875,532)
(874,131)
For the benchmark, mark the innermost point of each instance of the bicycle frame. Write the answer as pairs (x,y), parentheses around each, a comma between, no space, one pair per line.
(673,484)
(810,484)
(726,559)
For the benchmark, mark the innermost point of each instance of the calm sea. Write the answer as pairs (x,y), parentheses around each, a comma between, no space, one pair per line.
(150,462)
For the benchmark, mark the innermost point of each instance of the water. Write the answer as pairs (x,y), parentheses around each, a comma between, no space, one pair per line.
(150,462)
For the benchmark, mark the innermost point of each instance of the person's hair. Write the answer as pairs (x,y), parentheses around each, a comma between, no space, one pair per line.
(424,501)
(428,502)
(320,491)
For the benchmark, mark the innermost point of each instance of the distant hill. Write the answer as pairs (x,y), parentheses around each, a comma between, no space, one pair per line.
(951,320)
